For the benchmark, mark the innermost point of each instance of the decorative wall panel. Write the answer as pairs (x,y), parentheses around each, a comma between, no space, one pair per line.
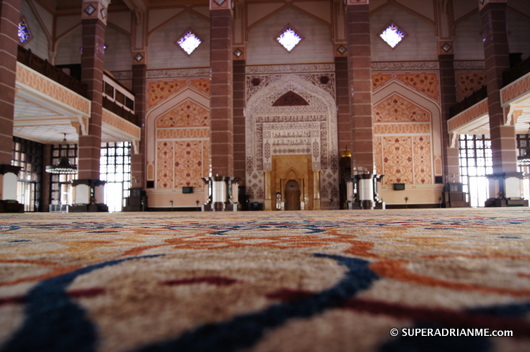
(467,82)
(160,90)
(398,160)
(403,142)
(302,126)
(182,133)
(425,82)
(165,157)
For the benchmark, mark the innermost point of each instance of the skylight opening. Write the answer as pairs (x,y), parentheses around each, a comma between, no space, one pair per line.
(189,42)
(24,35)
(289,38)
(392,35)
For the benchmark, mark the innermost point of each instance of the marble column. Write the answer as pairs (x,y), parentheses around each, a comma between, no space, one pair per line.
(448,99)
(343,104)
(221,88)
(503,137)
(88,186)
(221,105)
(137,200)
(360,84)
(9,18)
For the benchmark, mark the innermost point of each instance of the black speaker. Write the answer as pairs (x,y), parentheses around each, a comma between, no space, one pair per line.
(399,186)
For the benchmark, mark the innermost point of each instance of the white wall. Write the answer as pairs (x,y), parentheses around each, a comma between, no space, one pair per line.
(165,53)
(468,43)
(39,42)
(263,49)
(69,48)
(420,43)
(118,55)
(518,30)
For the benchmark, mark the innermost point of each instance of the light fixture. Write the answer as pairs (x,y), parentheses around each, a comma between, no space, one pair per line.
(524,160)
(63,167)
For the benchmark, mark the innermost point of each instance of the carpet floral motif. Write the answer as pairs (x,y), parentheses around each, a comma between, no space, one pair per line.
(266,281)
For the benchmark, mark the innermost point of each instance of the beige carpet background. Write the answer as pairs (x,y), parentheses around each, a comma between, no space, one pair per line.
(266,281)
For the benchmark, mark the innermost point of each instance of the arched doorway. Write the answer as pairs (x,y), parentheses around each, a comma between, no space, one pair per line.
(292,195)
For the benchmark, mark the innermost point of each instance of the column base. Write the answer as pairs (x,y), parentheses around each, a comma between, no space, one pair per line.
(11,206)
(89,208)
(365,192)
(222,193)
(137,201)
(88,194)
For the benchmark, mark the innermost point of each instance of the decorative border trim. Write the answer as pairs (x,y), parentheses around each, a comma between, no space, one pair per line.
(515,90)
(474,112)
(37,82)
(179,73)
(405,66)
(470,65)
(122,125)
(286,69)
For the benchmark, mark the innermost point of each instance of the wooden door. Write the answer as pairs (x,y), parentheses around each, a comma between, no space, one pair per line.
(292,195)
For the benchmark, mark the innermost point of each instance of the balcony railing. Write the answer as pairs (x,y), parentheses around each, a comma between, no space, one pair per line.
(516,72)
(119,110)
(26,57)
(116,98)
(470,100)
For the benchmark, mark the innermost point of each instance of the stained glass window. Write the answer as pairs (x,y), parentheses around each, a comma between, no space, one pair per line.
(289,39)
(189,42)
(392,35)
(23,32)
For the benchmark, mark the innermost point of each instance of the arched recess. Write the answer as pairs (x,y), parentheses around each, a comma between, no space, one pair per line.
(421,134)
(187,101)
(304,131)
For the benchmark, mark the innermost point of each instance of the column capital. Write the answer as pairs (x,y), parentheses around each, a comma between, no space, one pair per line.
(445,47)
(95,9)
(356,2)
(483,3)
(139,58)
(221,5)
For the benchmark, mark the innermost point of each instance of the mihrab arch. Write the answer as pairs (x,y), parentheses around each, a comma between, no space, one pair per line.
(293,119)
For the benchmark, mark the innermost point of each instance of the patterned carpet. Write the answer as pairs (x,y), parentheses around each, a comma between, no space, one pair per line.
(266,281)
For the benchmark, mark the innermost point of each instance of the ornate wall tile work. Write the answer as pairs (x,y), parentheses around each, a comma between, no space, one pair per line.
(403,147)
(202,85)
(426,83)
(417,128)
(160,90)
(164,170)
(186,114)
(183,139)
(378,148)
(467,82)
(189,163)
(422,160)
(398,160)
(398,109)
(380,79)
(179,133)
(325,81)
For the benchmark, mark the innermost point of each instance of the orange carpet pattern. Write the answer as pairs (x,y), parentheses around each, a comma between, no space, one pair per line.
(382,280)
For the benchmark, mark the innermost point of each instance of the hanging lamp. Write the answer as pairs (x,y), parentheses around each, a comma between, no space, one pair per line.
(63,167)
